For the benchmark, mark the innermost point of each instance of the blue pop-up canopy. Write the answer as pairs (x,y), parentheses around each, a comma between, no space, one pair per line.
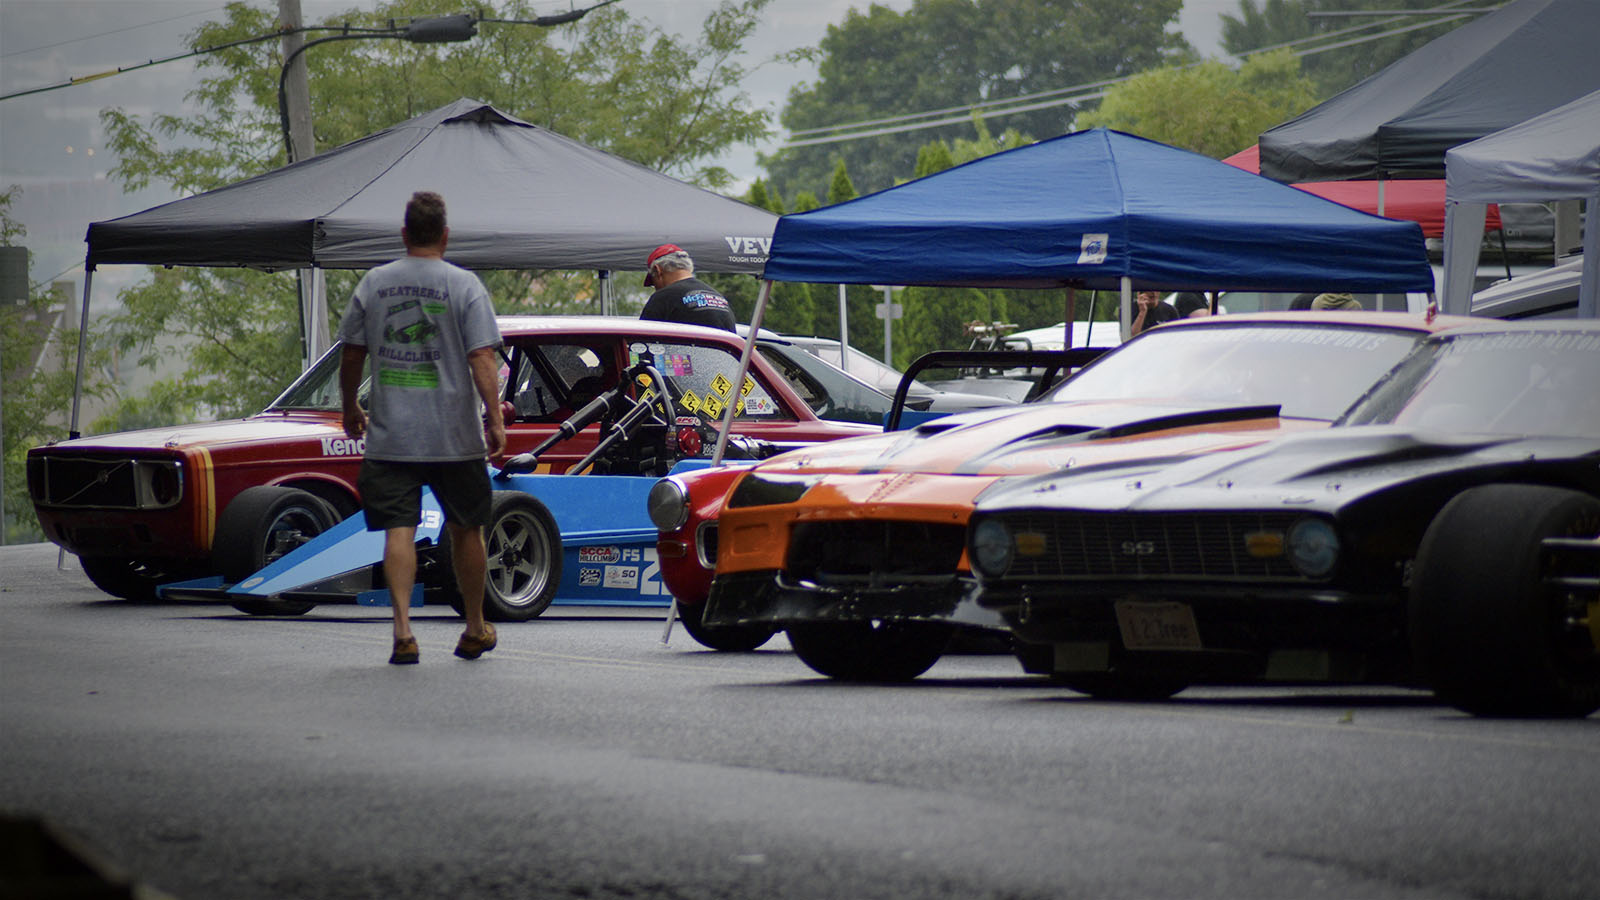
(1088,209)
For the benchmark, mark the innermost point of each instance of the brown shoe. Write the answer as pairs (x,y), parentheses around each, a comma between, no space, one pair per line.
(470,647)
(405,652)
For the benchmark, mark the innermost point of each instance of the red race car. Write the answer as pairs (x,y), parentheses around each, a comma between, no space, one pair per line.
(148,507)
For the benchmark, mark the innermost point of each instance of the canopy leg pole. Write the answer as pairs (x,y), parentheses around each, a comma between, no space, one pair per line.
(672,616)
(1072,312)
(1380,212)
(1126,316)
(744,370)
(844,326)
(83,342)
(300,289)
(77,378)
(1589,280)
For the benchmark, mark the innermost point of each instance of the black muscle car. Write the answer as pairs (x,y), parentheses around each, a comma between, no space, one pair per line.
(1445,534)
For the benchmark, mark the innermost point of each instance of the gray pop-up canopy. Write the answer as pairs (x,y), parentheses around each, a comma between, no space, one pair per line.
(519,197)
(1491,73)
(1555,156)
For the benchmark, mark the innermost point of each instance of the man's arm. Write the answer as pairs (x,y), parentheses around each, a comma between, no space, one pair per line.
(486,377)
(1138,321)
(351,365)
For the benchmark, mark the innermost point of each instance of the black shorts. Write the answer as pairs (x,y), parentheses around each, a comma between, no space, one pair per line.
(391,492)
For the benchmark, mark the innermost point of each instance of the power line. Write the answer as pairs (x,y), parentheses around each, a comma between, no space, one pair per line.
(1094,90)
(555,19)
(90,37)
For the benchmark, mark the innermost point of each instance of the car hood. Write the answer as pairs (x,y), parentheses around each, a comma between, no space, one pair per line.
(1325,471)
(266,428)
(1039,437)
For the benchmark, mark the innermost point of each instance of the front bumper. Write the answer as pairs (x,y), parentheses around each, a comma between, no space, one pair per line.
(1241,634)
(773,598)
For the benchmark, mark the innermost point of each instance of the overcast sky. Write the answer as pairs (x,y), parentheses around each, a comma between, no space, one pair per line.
(51,143)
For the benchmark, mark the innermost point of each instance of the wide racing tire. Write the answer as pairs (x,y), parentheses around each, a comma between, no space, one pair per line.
(1123,686)
(728,638)
(259,526)
(1489,636)
(881,651)
(523,546)
(134,580)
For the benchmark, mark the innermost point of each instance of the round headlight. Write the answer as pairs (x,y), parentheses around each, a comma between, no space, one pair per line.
(668,504)
(1313,547)
(991,548)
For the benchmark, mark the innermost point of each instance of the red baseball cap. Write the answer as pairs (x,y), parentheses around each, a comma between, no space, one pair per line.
(657,253)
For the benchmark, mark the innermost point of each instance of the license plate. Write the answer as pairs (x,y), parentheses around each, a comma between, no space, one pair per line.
(1157,625)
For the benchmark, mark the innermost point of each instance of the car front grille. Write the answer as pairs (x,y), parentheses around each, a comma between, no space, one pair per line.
(104,483)
(874,551)
(1147,545)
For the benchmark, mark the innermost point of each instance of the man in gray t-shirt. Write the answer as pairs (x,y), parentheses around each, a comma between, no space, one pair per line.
(433,413)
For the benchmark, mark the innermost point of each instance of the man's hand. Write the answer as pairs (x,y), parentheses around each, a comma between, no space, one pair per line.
(351,367)
(485,376)
(355,422)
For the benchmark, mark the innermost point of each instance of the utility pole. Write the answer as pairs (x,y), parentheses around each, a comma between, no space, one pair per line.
(302,145)
(297,86)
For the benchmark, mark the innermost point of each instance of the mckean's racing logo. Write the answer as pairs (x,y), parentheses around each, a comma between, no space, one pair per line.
(599,554)
(748,249)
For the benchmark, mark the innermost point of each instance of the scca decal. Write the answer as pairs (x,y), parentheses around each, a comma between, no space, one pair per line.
(599,554)
(332,446)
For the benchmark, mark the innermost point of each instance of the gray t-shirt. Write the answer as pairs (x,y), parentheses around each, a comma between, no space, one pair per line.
(419,318)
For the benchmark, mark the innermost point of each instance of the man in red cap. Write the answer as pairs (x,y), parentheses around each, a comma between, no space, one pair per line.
(681,297)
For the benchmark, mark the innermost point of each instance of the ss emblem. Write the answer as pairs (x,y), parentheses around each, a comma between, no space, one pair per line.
(1138,548)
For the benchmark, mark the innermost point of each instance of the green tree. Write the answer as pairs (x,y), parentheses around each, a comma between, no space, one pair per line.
(616,83)
(950,54)
(934,156)
(1262,24)
(35,395)
(792,308)
(840,187)
(983,143)
(1208,108)
(866,329)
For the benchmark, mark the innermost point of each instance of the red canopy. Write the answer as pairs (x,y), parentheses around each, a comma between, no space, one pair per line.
(1420,201)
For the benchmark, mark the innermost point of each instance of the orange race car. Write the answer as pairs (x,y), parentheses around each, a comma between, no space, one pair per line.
(856,548)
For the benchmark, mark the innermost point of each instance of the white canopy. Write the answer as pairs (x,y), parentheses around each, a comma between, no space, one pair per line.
(1553,156)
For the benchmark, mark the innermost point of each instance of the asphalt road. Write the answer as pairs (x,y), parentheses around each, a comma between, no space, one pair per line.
(215,755)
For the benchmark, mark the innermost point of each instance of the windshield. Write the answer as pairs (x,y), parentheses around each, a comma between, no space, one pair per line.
(1544,383)
(1313,371)
(863,367)
(318,386)
(830,393)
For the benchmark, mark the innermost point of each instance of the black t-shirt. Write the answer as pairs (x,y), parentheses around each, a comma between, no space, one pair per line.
(692,302)
(1161,312)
